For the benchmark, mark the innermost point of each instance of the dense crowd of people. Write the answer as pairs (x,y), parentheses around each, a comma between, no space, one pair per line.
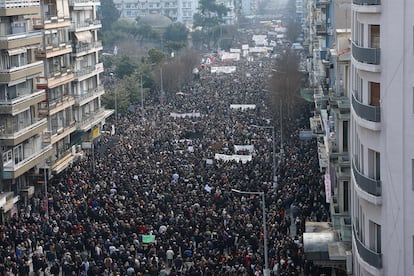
(158,202)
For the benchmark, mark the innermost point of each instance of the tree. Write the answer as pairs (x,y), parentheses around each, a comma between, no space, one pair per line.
(108,14)
(211,13)
(177,72)
(293,30)
(210,16)
(125,67)
(176,32)
(285,86)
(155,56)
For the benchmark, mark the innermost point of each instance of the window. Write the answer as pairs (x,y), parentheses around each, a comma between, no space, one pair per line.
(345,136)
(374,160)
(374,237)
(375,93)
(18,154)
(375,36)
(346,195)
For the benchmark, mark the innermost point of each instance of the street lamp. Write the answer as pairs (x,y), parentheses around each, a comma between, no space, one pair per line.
(46,200)
(266,271)
(142,97)
(273,152)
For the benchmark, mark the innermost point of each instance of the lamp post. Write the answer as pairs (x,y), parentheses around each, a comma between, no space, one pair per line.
(46,200)
(273,152)
(266,271)
(142,97)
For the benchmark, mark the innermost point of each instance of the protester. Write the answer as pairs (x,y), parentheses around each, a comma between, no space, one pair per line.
(157,177)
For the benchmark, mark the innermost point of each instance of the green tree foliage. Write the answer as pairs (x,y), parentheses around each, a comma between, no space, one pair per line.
(155,56)
(108,14)
(176,32)
(210,15)
(125,66)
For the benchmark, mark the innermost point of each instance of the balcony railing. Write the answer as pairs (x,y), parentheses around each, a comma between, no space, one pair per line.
(97,68)
(87,47)
(320,29)
(73,2)
(366,55)
(366,2)
(372,258)
(369,185)
(20,39)
(367,112)
(322,2)
(86,24)
(8,4)
(89,94)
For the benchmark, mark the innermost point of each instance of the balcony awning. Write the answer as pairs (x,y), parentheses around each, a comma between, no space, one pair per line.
(85,36)
(17,51)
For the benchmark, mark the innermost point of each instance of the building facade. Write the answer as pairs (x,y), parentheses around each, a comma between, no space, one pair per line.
(177,10)
(381,128)
(50,92)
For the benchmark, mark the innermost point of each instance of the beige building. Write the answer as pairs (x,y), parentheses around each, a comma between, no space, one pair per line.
(49,91)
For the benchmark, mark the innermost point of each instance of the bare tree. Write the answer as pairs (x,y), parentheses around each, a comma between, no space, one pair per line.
(284,87)
(178,71)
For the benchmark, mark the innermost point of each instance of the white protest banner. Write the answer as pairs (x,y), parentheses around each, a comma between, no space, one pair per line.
(184,115)
(249,148)
(242,106)
(234,157)
(223,69)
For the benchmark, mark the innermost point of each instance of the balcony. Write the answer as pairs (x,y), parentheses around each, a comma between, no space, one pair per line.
(54,106)
(63,162)
(84,3)
(21,72)
(59,134)
(89,96)
(94,119)
(21,103)
(19,7)
(88,71)
(65,75)
(366,55)
(320,28)
(366,2)
(12,170)
(366,112)
(322,2)
(87,48)
(346,229)
(87,24)
(368,185)
(51,21)
(14,135)
(20,39)
(370,257)
(53,51)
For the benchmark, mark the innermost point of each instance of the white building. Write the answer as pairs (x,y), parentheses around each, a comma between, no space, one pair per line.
(178,10)
(382,119)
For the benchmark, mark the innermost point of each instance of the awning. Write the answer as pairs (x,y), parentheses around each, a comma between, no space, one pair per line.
(17,51)
(85,36)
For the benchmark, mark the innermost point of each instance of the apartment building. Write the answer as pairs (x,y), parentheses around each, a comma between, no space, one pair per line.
(329,244)
(177,10)
(86,86)
(50,92)
(381,129)
(21,124)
